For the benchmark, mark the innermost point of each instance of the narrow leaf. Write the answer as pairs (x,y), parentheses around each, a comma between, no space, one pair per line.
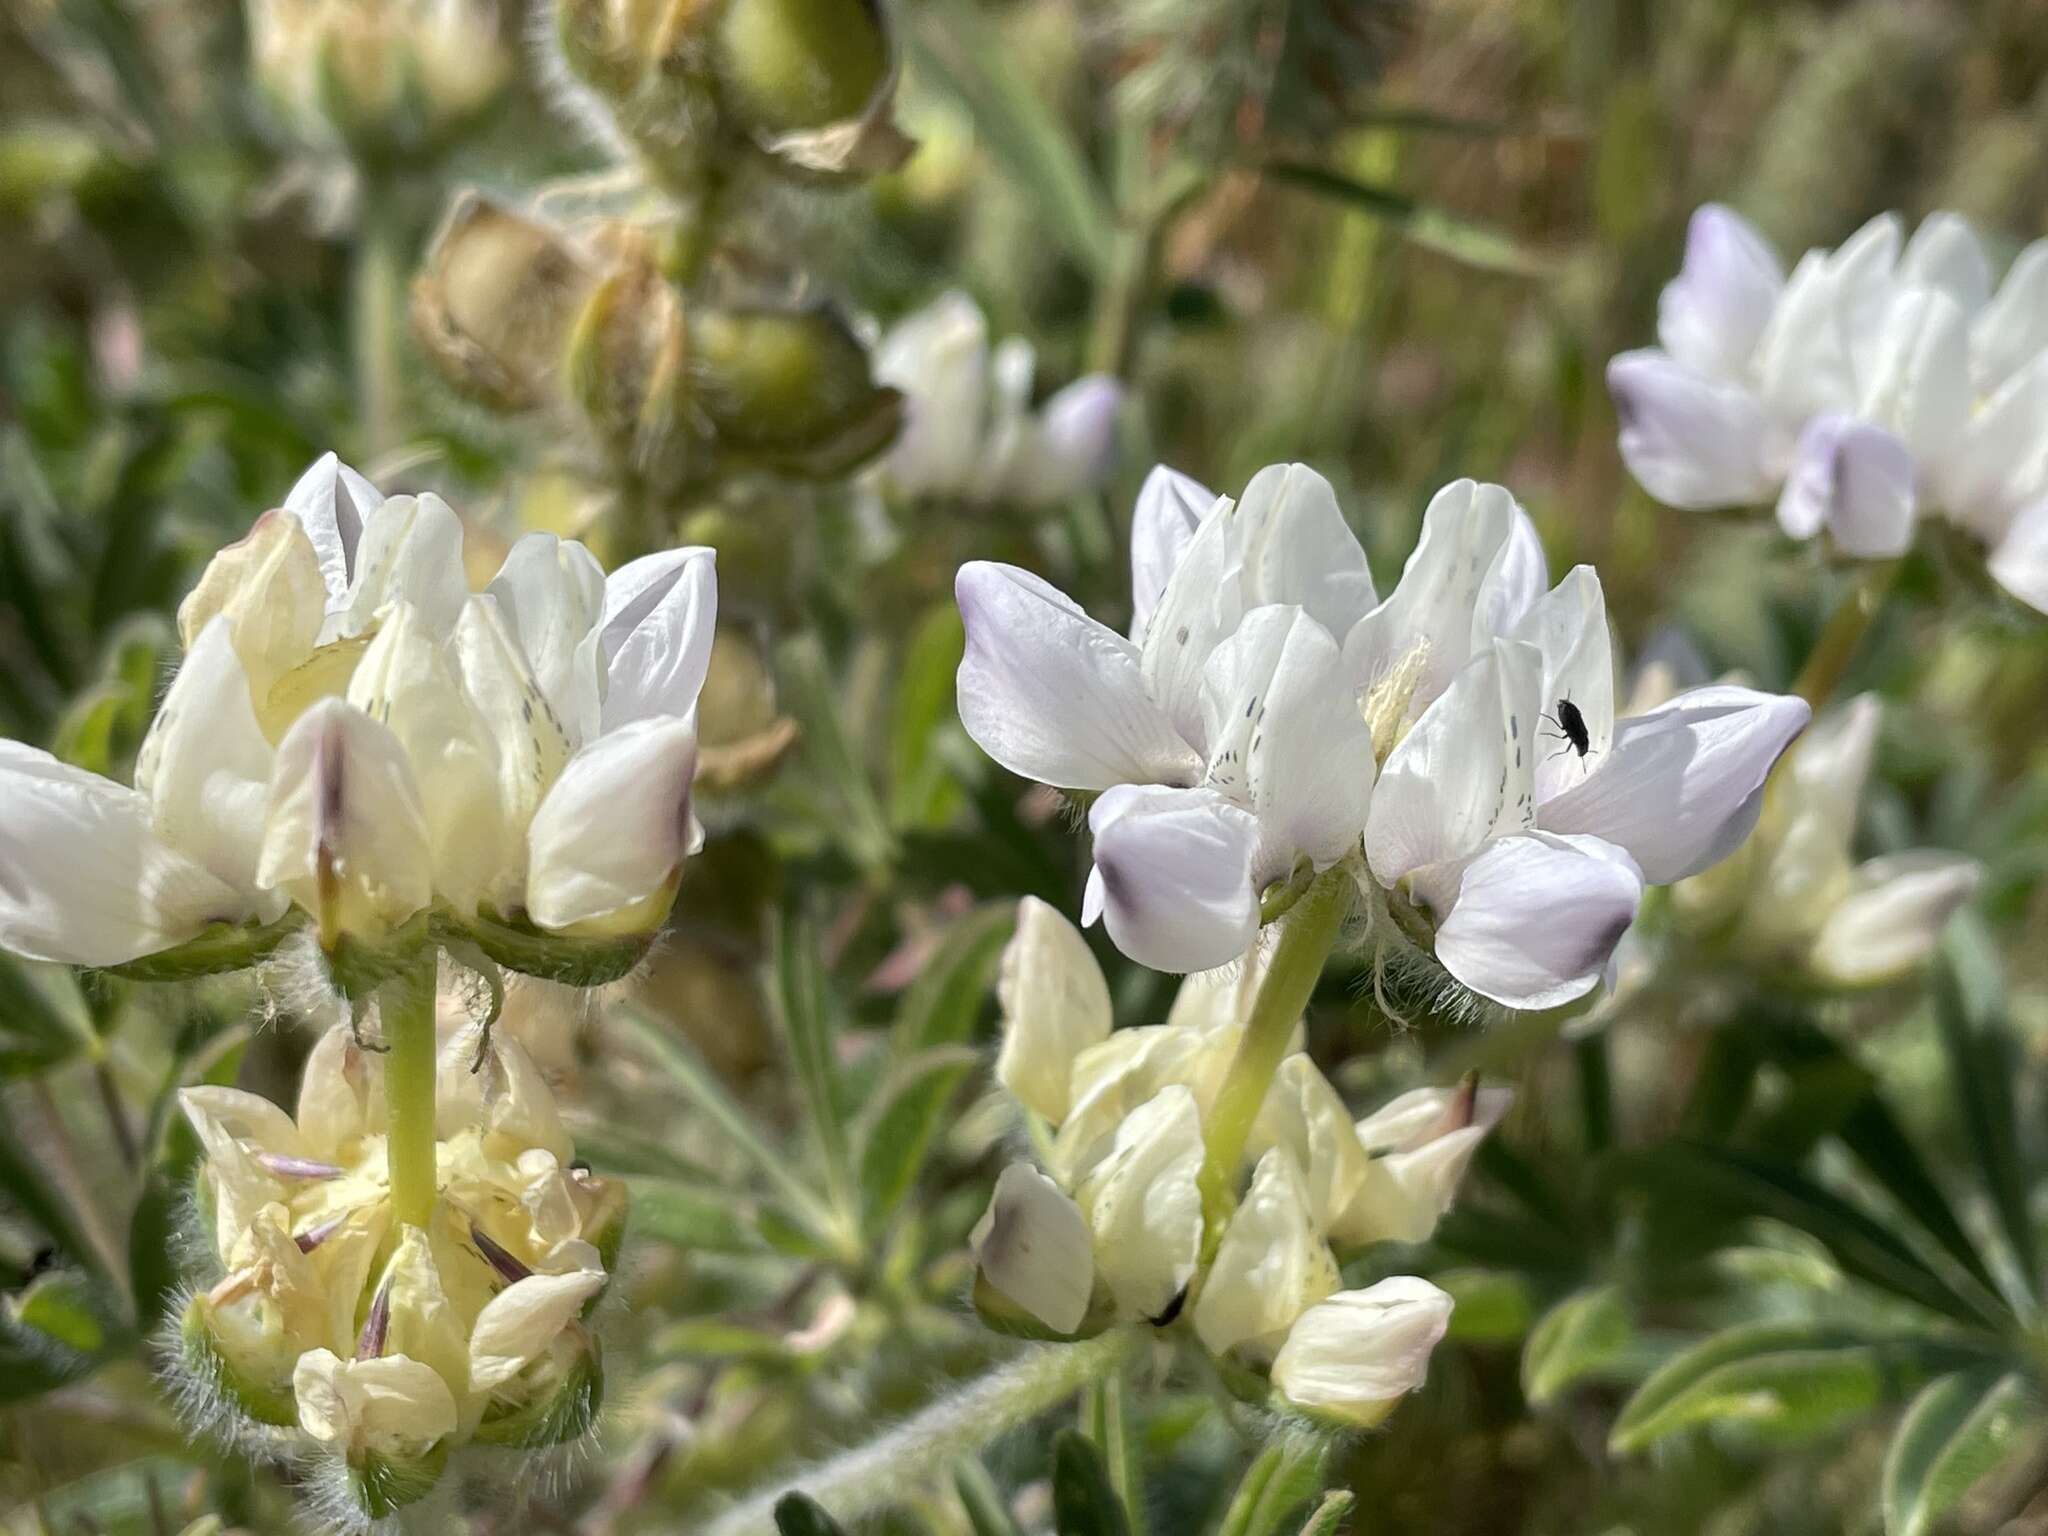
(803,1009)
(1959,1428)
(1581,1336)
(1328,1517)
(1435,229)
(986,1510)
(947,999)
(1083,1501)
(798,1514)
(909,1113)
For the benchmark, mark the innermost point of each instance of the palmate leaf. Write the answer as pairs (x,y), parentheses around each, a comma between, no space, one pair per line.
(1961,1427)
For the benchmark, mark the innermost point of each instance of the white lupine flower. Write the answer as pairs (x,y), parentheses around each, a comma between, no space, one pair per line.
(355,732)
(1882,381)
(1033,1246)
(969,430)
(1796,891)
(1270,1267)
(1144,1207)
(1270,711)
(1418,1148)
(1354,1356)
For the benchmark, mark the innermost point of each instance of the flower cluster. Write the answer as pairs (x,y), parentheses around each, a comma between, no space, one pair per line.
(330,1327)
(1880,381)
(356,734)
(1116,1231)
(1454,745)
(970,433)
(1795,893)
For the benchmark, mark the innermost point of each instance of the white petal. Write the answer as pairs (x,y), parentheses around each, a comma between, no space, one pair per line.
(1856,481)
(1055,1005)
(1271,1266)
(394,1406)
(1682,785)
(341,1095)
(1169,509)
(1034,1247)
(522,1320)
(1466,770)
(2012,330)
(334,502)
(1712,314)
(1413,1120)
(425,1323)
(552,592)
(345,834)
(1358,1353)
(1054,696)
(268,587)
(938,357)
(1690,440)
(1286,739)
(1569,627)
(1200,606)
(84,879)
(205,764)
(1303,1115)
(1945,253)
(611,836)
(1076,440)
(2020,561)
(1915,375)
(1537,918)
(411,551)
(532,742)
(507,1099)
(2000,463)
(1173,876)
(1892,916)
(1831,764)
(660,616)
(1143,1205)
(1297,548)
(1829,309)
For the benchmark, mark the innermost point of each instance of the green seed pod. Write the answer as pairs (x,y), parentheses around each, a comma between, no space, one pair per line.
(790,389)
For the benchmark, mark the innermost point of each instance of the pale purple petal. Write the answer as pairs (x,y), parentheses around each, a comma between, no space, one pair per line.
(1173,876)
(1856,481)
(1710,316)
(1169,509)
(1537,918)
(1692,441)
(654,636)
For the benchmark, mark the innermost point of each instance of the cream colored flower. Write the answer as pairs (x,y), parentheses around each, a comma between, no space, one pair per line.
(1352,1357)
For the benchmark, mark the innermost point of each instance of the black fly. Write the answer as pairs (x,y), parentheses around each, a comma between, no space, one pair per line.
(1571,725)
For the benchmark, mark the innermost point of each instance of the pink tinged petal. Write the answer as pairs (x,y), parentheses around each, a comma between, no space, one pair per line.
(552,593)
(1856,481)
(1297,548)
(1914,376)
(1201,606)
(1569,627)
(1712,314)
(2012,330)
(1892,916)
(205,763)
(1173,876)
(1945,253)
(660,616)
(1356,1355)
(1169,509)
(333,503)
(1682,785)
(612,834)
(1053,695)
(411,551)
(84,879)
(1286,739)
(1692,441)
(2020,562)
(1537,918)
(1076,439)
(1465,772)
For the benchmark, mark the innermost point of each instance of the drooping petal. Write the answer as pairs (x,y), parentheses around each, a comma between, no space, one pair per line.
(1271,1266)
(552,592)
(1711,315)
(1856,481)
(607,845)
(1173,876)
(1033,1246)
(1169,509)
(341,1094)
(1053,695)
(334,503)
(1465,772)
(268,586)
(205,764)
(1682,785)
(395,1407)
(1569,627)
(1143,1205)
(1357,1354)
(1692,441)
(2020,561)
(345,834)
(1286,739)
(1945,253)
(1537,917)
(411,551)
(503,1096)
(1297,548)
(1892,916)
(521,1321)
(2012,330)
(660,617)
(1055,1004)
(83,877)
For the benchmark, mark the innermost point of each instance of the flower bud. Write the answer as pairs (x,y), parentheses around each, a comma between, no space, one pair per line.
(270,589)
(1418,1148)
(1034,1249)
(1144,1207)
(1351,1358)
(1271,1265)
(1055,1004)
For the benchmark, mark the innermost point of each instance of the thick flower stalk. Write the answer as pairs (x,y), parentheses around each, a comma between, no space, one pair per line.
(340,1326)
(1454,747)
(1880,382)
(970,433)
(1794,894)
(1117,1227)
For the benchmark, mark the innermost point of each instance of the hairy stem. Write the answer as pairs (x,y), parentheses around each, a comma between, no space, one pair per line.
(873,1475)
(1307,934)
(407,1005)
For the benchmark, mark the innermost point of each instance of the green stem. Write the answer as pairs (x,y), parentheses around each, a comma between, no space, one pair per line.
(1844,633)
(1307,935)
(378,313)
(875,1475)
(406,1003)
